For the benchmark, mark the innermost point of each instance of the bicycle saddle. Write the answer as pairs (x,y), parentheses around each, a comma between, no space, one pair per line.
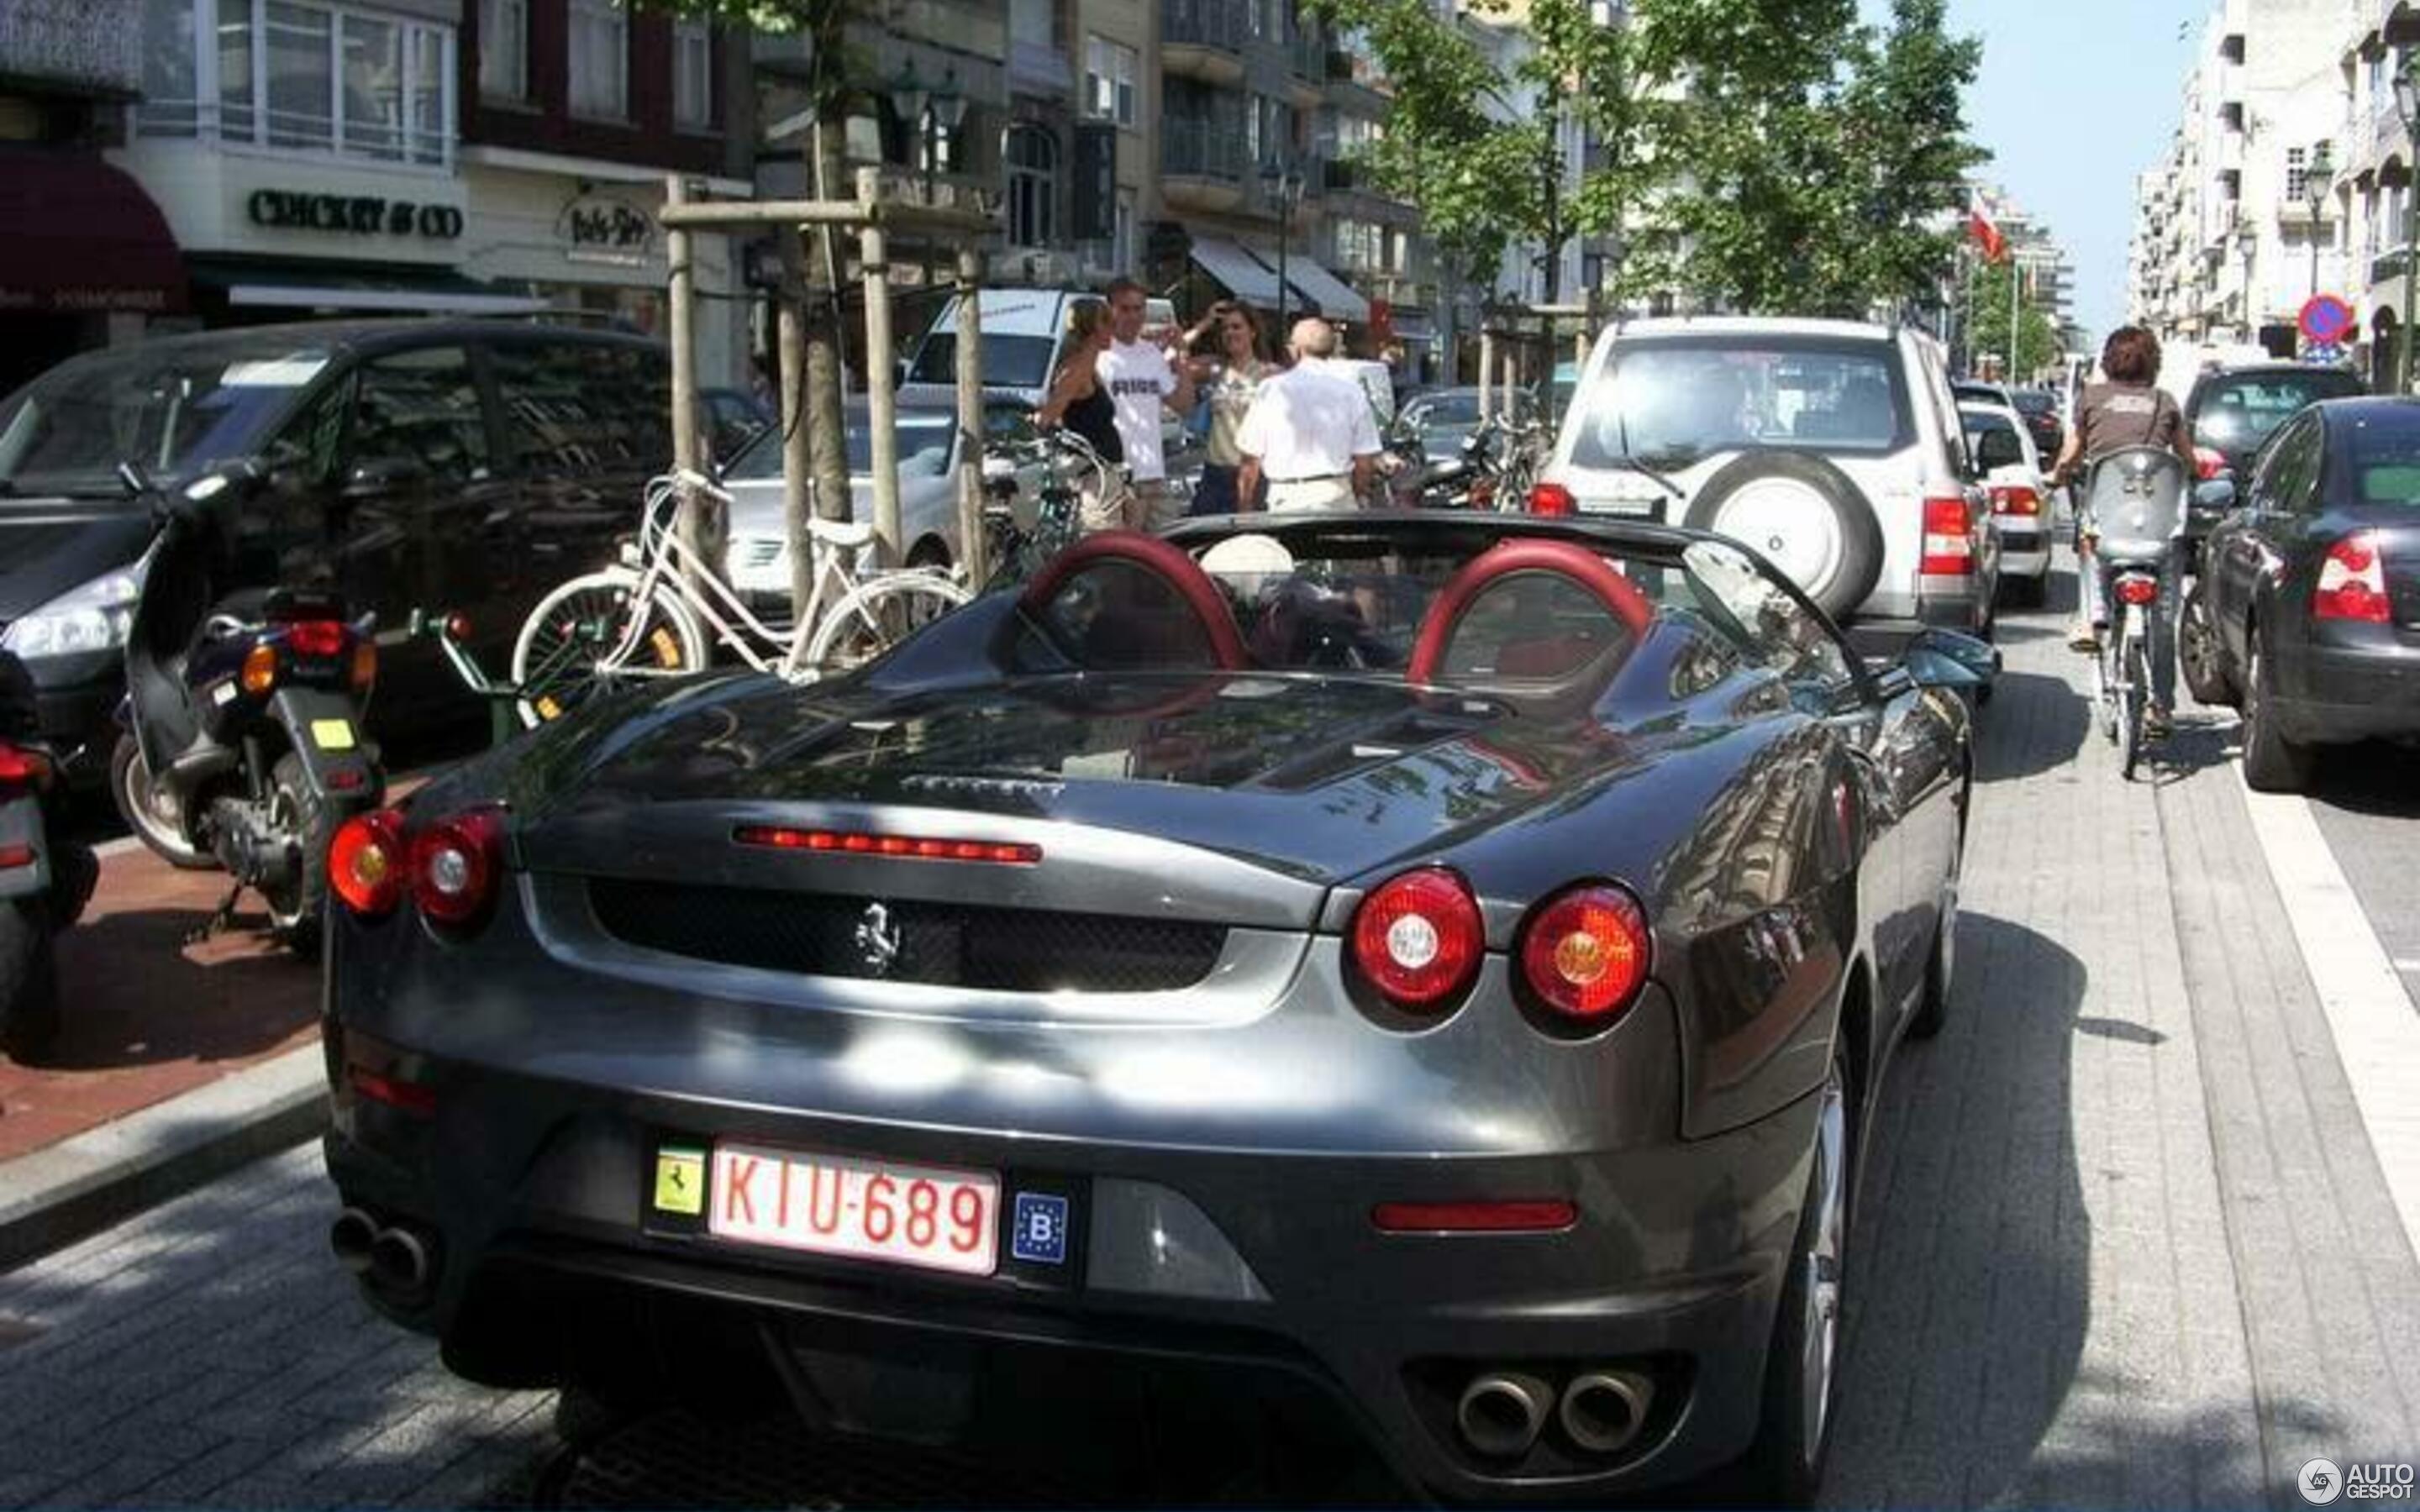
(849,535)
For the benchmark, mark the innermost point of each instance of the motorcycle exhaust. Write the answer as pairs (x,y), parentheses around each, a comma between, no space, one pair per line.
(1603,1411)
(351,1237)
(1501,1414)
(399,1261)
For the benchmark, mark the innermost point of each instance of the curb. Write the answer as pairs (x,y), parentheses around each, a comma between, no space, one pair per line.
(75,1188)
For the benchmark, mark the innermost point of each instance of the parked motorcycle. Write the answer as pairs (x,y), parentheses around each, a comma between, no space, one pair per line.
(245,749)
(45,879)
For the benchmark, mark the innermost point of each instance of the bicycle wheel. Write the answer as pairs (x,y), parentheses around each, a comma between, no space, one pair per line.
(2134,665)
(2105,691)
(566,646)
(877,614)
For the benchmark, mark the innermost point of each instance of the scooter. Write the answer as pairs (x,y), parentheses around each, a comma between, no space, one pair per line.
(245,749)
(45,879)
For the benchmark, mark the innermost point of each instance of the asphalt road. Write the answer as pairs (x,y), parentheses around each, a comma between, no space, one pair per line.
(2122,1241)
(2367,802)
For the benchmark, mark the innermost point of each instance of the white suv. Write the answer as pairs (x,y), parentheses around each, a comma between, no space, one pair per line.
(1832,447)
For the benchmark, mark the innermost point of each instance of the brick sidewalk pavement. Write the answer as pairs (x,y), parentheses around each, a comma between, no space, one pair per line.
(2123,1241)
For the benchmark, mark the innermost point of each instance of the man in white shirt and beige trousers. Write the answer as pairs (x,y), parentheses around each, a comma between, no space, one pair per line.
(1311,432)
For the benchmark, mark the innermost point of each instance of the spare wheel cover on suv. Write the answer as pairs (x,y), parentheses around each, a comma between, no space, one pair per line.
(1803,514)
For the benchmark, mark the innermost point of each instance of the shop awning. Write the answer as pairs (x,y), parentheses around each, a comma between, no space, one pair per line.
(1335,298)
(82,236)
(307,287)
(1231,265)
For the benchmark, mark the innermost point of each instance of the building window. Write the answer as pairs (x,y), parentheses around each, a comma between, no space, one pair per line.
(504,49)
(1032,186)
(303,78)
(600,60)
(692,74)
(1109,81)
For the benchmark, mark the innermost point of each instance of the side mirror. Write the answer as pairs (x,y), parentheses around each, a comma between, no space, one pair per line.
(2216,496)
(1945,659)
(387,475)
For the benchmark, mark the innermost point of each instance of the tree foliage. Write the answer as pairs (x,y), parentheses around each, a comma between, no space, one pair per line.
(1986,324)
(1766,156)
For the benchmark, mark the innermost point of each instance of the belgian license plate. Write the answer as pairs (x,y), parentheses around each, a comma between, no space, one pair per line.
(919,1215)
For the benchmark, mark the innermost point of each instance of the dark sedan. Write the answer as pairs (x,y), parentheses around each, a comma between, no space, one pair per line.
(2306,615)
(1424,976)
(2038,409)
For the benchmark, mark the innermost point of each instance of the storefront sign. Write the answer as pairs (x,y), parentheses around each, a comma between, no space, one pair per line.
(359,214)
(599,229)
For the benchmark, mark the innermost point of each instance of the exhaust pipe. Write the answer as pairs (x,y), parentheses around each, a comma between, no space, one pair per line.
(399,1261)
(1501,1414)
(351,1235)
(1603,1411)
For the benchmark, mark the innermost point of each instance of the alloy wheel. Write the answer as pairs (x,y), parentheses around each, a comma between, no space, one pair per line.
(1820,1356)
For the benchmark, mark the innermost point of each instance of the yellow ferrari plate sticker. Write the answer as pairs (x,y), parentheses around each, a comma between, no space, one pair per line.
(332,734)
(680,1180)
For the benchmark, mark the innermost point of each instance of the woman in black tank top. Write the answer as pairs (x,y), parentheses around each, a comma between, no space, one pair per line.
(1078,399)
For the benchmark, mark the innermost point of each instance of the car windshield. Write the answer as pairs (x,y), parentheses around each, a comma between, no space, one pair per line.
(171,409)
(923,447)
(2036,401)
(2242,411)
(1008,362)
(1675,401)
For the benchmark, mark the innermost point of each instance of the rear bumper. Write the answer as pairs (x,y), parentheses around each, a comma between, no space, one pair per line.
(2360,682)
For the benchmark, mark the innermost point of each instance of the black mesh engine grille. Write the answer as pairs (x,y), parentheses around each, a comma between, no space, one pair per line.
(949,945)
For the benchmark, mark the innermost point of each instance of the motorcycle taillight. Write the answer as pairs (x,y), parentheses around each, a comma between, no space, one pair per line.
(317,637)
(23,770)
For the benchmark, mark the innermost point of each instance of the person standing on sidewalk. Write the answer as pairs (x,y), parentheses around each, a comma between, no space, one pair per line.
(1311,432)
(1142,380)
(1079,399)
(1234,376)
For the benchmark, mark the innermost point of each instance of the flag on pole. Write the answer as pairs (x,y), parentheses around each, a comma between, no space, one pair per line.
(1984,226)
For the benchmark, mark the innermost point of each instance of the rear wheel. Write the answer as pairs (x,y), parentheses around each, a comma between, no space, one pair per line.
(2199,656)
(152,812)
(295,905)
(1803,513)
(1786,1465)
(2133,669)
(874,616)
(568,645)
(2272,763)
(29,983)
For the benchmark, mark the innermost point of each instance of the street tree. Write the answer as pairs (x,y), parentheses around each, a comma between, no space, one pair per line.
(1985,320)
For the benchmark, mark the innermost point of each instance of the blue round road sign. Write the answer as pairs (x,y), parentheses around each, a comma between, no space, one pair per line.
(2325,319)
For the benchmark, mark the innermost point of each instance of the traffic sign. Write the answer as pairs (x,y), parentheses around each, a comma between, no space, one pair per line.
(2325,319)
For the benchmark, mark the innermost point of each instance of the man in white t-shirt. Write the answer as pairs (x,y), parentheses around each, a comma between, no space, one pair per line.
(1142,379)
(1311,432)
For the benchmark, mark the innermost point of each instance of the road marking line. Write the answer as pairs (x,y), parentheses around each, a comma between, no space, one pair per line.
(2372,1017)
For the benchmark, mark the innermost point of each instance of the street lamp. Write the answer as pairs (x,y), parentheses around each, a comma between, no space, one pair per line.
(2407,105)
(928,112)
(2315,193)
(1283,182)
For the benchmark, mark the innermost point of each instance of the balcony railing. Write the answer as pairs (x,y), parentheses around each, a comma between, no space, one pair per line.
(1226,23)
(1308,56)
(1194,149)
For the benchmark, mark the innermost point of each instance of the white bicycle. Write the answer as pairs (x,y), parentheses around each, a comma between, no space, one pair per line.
(650,615)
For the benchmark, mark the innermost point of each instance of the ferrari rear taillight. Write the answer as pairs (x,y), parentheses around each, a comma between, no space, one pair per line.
(1417,938)
(2015,498)
(1552,499)
(365,863)
(455,865)
(1583,952)
(1947,552)
(22,770)
(2353,581)
(2208,463)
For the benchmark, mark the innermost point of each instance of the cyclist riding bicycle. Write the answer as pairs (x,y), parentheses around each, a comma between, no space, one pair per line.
(2126,409)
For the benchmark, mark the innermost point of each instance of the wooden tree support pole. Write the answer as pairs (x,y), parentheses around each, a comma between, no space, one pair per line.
(974,550)
(881,405)
(797,454)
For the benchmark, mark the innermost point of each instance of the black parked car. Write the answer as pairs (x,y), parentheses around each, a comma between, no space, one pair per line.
(2306,615)
(2038,409)
(2233,410)
(1430,976)
(455,464)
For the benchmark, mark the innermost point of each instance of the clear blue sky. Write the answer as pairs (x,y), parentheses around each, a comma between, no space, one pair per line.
(2075,98)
